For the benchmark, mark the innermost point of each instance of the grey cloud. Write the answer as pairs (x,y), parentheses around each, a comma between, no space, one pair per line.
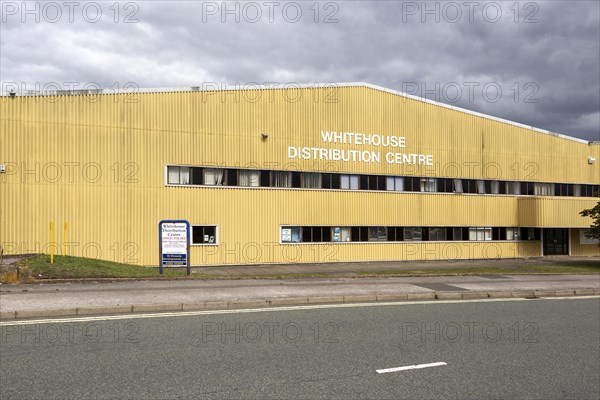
(376,42)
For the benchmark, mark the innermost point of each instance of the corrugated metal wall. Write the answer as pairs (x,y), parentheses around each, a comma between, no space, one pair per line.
(98,162)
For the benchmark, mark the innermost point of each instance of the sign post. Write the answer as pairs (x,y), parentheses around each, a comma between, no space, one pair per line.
(174,239)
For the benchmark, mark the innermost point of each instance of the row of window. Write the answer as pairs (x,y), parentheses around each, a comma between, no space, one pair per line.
(207,234)
(200,176)
(319,234)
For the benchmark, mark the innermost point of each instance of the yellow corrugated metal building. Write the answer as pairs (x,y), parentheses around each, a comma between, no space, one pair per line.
(324,173)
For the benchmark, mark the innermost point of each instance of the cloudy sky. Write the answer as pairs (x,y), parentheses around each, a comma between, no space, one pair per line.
(536,63)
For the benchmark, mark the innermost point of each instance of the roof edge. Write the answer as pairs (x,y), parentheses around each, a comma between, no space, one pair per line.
(216,87)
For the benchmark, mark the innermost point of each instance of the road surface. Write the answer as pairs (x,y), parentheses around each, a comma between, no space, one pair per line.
(501,349)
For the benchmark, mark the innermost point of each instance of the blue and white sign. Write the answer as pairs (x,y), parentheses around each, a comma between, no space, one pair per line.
(174,237)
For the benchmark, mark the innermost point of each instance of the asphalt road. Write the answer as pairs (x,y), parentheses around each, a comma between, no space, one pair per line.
(534,349)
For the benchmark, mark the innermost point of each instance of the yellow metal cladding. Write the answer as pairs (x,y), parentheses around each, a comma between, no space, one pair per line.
(578,249)
(98,163)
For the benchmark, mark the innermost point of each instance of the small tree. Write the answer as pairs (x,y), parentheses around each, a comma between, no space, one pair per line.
(594,231)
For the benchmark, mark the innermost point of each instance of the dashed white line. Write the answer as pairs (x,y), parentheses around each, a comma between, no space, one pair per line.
(408,367)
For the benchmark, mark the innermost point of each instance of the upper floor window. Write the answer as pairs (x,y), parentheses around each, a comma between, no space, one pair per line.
(249,177)
(178,175)
(311,180)
(281,179)
(394,183)
(543,189)
(428,185)
(214,176)
(513,187)
(349,182)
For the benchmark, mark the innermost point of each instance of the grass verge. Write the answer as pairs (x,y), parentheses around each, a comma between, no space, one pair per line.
(78,267)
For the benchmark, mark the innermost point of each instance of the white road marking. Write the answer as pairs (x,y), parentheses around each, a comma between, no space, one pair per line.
(418,366)
(74,319)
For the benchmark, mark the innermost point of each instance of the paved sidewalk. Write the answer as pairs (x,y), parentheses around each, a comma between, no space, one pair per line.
(357,267)
(70,299)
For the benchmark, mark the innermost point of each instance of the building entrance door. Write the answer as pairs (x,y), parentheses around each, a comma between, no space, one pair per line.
(556,241)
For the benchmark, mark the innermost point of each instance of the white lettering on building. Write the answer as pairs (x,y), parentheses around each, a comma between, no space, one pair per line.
(364,156)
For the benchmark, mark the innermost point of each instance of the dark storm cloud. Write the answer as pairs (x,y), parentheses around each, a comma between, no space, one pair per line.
(534,63)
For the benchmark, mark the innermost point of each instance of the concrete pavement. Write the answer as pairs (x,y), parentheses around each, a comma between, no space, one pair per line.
(69,299)
(350,268)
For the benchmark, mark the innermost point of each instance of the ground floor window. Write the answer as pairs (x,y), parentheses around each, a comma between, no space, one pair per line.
(583,239)
(321,234)
(413,233)
(437,234)
(340,234)
(480,233)
(204,234)
(377,234)
(512,234)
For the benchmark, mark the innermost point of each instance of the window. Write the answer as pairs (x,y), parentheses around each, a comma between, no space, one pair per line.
(498,233)
(311,180)
(213,176)
(196,176)
(512,233)
(331,181)
(513,188)
(359,233)
(529,234)
(372,182)
(445,185)
(178,175)
(495,187)
(377,234)
(481,187)
(290,234)
(428,185)
(563,189)
(458,186)
(232,177)
(577,190)
(340,234)
(437,234)
(204,234)
(480,233)
(457,233)
(543,189)
(394,183)
(281,179)
(316,234)
(589,190)
(527,188)
(413,233)
(349,182)
(249,178)
(395,234)
(469,186)
(584,239)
